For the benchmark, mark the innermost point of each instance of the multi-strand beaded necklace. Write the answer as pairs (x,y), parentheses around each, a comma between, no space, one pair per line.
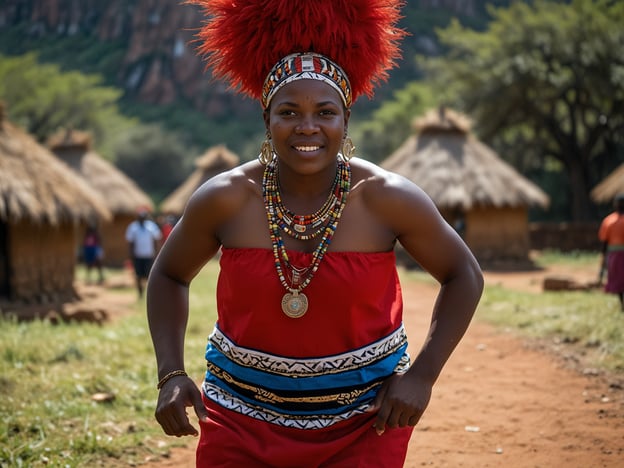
(302,227)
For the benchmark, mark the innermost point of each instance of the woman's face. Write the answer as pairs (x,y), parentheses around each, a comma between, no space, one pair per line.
(307,122)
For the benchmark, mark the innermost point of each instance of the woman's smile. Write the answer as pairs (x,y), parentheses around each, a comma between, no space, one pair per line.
(307,149)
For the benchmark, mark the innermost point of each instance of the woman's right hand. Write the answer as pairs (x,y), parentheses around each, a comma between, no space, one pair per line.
(175,396)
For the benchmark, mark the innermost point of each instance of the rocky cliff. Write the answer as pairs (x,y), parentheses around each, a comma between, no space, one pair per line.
(159,65)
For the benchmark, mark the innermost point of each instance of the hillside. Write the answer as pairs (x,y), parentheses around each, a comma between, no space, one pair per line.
(145,47)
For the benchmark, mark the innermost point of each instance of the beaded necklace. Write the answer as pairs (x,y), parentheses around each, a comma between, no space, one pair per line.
(304,227)
(294,302)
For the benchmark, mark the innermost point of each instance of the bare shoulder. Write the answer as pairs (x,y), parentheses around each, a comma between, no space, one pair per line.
(411,215)
(382,189)
(225,193)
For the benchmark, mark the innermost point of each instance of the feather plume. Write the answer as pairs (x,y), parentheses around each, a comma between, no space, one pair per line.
(242,39)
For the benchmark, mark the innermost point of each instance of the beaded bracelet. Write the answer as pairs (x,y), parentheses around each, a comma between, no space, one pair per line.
(170,375)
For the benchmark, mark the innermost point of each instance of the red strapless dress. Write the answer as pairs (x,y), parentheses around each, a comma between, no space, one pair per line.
(284,392)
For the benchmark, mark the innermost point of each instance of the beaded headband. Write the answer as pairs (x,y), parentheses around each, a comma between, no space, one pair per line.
(249,43)
(306,65)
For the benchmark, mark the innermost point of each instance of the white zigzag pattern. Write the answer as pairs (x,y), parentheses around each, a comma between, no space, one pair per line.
(230,402)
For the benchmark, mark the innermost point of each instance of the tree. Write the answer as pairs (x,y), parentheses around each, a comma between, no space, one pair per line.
(42,99)
(391,123)
(548,76)
(158,160)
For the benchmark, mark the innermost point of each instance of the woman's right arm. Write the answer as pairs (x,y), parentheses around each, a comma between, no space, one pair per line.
(190,245)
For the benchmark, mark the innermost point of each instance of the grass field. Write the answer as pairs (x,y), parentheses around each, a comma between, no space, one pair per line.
(80,395)
(591,320)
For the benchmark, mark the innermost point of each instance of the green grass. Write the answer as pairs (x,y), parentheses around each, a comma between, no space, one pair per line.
(590,320)
(49,373)
(575,259)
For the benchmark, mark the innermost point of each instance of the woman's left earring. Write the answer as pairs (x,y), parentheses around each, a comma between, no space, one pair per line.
(348,148)
(266,151)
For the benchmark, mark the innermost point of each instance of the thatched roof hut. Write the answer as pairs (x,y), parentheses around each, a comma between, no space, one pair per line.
(474,189)
(214,161)
(122,195)
(42,204)
(610,186)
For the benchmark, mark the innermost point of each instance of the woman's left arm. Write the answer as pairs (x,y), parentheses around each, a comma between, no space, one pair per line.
(439,250)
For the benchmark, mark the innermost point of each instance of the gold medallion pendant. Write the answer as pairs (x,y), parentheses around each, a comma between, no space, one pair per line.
(294,304)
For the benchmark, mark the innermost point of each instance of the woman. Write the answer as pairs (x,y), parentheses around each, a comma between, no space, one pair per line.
(306,365)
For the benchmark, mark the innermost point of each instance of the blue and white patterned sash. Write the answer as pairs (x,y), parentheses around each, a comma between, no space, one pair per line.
(309,393)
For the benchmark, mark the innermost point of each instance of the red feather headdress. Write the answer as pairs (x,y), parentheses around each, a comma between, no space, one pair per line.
(243,40)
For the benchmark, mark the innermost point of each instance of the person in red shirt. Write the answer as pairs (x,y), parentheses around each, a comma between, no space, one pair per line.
(611,234)
(167,226)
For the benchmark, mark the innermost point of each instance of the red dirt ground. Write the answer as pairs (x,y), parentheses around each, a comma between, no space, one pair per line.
(502,401)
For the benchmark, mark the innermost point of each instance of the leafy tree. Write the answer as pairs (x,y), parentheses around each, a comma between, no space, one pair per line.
(243,136)
(391,124)
(42,99)
(157,160)
(548,77)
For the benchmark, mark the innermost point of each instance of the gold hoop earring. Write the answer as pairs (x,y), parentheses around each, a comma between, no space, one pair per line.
(266,151)
(348,148)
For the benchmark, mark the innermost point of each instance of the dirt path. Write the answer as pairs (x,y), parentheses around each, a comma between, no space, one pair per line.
(530,411)
(500,402)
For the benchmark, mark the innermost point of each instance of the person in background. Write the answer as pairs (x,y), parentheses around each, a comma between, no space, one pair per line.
(611,234)
(166,226)
(143,236)
(307,364)
(93,252)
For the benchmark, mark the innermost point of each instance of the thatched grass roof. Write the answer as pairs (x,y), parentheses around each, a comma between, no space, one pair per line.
(214,161)
(458,171)
(36,186)
(442,120)
(122,195)
(70,138)
(611,185)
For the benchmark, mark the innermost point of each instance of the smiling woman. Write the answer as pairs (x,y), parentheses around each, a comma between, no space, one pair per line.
(307,362)
(307,122)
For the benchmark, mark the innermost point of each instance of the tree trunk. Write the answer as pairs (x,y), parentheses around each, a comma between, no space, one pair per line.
(581,204)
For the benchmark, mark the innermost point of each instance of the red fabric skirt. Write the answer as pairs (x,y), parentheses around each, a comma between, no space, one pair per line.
(354,300)
(237,441)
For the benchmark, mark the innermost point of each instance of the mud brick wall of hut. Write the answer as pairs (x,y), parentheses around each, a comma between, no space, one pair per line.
(492,234)
(498,233)
(42,261)
(114,242)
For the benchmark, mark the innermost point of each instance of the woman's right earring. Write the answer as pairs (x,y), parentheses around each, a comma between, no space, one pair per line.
(266,151)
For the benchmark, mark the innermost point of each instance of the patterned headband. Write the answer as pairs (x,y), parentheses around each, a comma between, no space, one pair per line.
(306,65)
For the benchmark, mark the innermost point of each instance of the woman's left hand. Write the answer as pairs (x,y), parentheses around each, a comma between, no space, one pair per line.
(401,401)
